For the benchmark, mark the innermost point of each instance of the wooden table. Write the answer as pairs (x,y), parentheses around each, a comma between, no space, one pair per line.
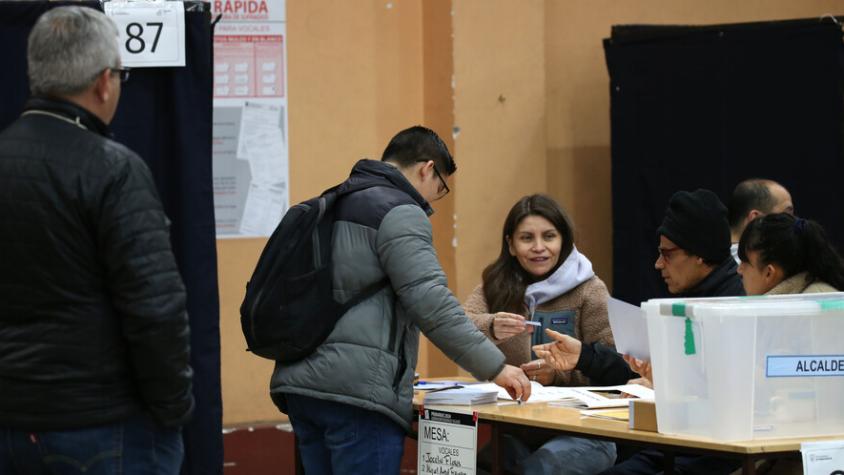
(563,420)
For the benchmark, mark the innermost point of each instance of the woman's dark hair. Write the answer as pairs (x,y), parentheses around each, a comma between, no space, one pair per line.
(505,281)
(795,244)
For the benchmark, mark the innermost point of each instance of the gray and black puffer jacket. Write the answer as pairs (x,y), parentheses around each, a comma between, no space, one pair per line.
(369,358)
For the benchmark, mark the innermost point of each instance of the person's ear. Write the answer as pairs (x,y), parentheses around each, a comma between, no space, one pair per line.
(772,273)
(426,170)
(753,214)
(103,86)
(510,246)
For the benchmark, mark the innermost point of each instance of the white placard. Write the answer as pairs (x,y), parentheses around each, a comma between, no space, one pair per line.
(448,442)
(823,458)
(152,34)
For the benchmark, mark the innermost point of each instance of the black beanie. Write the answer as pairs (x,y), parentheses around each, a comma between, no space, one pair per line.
(697,223)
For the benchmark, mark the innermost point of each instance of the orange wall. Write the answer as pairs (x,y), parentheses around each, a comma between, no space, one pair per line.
(355,76)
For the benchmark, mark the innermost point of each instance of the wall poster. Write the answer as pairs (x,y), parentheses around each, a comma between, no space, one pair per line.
(250,146)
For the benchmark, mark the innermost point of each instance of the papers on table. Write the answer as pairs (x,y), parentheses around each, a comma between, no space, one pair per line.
(629,329)
(580,397)
(614,414)
(462,395)
(591,397)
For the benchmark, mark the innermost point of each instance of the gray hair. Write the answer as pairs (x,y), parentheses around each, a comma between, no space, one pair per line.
(68,48)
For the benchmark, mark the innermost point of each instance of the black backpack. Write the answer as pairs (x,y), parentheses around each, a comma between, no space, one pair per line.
(289,308)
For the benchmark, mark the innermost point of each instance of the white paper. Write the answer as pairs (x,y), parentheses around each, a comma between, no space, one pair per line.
(151,34)
(577,396)
(823,458)
(629,329)
(263,210)
(250,149)
(262,142)
(463,395)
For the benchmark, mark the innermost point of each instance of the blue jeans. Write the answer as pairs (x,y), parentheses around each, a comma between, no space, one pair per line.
(136,446)
(569,455)
(339,438)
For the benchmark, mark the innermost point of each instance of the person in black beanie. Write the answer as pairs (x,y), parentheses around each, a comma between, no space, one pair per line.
(694,247)
(695,261)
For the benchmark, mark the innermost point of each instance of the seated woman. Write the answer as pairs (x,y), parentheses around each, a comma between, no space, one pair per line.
(782,254)
(540,275)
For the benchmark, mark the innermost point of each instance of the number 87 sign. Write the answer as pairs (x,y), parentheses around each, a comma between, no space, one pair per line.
(151,34)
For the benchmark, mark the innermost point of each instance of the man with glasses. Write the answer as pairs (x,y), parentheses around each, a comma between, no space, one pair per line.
(350,401)
(694,261)
(94,341)
(694,247)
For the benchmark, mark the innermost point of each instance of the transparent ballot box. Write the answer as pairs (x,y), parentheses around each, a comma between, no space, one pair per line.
(746,368)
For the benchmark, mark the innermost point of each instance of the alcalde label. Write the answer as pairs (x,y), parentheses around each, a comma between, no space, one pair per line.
(804,365)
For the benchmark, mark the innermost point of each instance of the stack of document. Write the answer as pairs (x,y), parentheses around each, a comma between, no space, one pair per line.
(462,395)
(578,397)
(594,398)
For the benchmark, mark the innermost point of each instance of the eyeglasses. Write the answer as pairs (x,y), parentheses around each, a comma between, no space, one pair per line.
(123,72)
(665,252)
(444,190)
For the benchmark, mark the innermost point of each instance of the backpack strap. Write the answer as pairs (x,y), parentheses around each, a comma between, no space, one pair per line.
(367,292)
(339,191)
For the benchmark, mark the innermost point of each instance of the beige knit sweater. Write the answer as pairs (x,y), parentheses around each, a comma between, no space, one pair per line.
(588,301)
(796,284)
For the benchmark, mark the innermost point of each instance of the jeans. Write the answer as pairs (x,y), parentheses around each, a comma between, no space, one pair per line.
(560,455)
(135,446)
(651,461)
(339,438)
(569,455)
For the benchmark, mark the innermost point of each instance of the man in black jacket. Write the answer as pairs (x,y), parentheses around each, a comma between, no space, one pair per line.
(694,260)
(94,350)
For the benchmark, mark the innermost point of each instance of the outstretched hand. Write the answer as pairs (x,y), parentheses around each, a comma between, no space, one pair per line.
(514,381)
(562,354)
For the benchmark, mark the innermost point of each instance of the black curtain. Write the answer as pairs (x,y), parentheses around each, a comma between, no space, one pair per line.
(165,116)
(706,107)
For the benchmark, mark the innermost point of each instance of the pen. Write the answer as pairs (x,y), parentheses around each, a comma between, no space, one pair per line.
(443,389)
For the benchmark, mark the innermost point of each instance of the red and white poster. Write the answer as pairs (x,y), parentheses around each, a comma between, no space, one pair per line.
(250,146)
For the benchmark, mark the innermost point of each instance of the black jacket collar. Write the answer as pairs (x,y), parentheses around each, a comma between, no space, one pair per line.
(70,111)
(723,281)
(388,175)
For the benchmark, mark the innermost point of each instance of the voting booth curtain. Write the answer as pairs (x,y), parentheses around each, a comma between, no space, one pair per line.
(165,116)
(706,107)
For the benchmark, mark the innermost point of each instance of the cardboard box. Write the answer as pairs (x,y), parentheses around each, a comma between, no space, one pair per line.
(643,415)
